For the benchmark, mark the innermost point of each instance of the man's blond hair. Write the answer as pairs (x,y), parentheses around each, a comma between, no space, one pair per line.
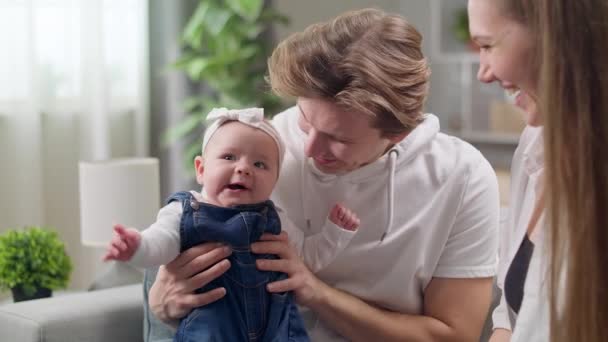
(366,61)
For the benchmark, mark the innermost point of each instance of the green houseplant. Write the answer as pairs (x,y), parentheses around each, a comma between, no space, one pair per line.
(460,28)
(226,44)
(33,262)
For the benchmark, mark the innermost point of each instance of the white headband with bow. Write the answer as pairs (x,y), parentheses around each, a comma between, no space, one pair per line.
(253,117)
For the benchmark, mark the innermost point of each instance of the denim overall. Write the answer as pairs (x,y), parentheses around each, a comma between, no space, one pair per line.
(248,312)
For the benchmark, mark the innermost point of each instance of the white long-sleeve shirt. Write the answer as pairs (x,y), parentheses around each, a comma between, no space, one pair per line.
(531,323)
(160,243)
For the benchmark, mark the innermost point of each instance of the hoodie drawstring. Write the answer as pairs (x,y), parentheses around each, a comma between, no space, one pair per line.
(392,157)
(305,187)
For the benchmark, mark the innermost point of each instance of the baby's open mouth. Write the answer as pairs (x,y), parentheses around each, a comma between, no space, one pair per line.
(236,186)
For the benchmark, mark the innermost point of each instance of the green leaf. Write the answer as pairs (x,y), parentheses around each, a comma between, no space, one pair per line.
(248,9)
(216,19)
(184,61)
(247,52)
(197,66)
(193,32)
(254,31)
(192,104)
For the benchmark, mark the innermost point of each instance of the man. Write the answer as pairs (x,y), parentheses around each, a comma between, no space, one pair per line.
(420,266)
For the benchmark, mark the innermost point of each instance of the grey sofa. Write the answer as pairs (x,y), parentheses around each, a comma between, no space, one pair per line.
(114,314)
(112,311)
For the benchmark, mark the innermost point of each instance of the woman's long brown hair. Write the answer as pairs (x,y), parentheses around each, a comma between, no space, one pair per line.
(572,45)
(574,102)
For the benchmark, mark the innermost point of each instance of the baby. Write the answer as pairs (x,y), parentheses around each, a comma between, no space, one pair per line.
(239,167)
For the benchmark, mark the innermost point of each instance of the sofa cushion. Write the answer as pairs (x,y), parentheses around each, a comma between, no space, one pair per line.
(116,274)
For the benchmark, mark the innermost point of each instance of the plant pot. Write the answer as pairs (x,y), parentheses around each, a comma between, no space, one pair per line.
(19,295)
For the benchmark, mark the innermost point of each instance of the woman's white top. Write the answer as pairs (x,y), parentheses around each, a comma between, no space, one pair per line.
(531,323)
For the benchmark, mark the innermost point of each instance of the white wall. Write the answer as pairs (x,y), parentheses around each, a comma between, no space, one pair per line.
(304,13)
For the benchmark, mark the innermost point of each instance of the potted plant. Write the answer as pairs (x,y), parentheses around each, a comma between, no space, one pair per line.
(33,262)
(460,28)
(226,45)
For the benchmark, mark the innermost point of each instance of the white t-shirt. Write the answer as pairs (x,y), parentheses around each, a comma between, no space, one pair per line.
(160,243)
(444,219)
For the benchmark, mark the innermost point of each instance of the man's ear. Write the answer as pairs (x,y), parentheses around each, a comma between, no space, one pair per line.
(199,168)
(394,139)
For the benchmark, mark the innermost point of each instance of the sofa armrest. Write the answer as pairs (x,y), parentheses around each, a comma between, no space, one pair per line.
(114,314)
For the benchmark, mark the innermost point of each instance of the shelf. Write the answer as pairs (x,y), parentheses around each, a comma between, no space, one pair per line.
(486,138)
(456,57)
(490,138)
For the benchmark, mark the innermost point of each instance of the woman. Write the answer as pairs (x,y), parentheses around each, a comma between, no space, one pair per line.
(529,46)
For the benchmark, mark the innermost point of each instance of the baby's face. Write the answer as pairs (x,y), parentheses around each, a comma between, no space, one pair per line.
(240,165)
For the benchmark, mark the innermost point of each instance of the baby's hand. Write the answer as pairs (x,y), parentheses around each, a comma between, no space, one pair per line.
(344,217)
(124,244)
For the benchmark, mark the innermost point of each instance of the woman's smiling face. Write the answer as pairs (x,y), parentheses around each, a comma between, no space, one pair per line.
(506,55)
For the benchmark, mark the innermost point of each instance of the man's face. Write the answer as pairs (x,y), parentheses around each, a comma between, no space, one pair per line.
(240,165)
(339,141)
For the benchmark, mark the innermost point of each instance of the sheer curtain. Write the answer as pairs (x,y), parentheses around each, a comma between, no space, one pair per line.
(73,86)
